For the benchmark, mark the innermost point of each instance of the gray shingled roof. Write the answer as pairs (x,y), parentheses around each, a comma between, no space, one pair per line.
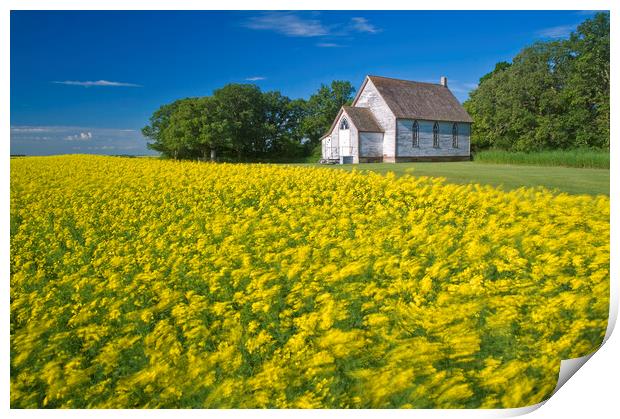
(417,100)
(363,119)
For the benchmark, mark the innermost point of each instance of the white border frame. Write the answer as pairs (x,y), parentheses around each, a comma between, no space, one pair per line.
(592,392)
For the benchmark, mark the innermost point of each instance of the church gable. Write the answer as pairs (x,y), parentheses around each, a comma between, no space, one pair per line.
(369,97)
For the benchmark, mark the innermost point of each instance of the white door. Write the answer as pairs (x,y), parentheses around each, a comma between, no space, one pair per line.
(344,135)
(344,138)
(328,148)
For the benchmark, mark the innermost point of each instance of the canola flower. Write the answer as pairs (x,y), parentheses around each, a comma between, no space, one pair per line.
(148,283)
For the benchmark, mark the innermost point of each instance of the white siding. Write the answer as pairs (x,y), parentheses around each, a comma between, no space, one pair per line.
(369,97)
(354,137)
(426,149)
(326,148)
(334,134)
(371,144)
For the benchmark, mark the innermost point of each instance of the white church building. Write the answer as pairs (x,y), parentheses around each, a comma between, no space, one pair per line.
(392,120)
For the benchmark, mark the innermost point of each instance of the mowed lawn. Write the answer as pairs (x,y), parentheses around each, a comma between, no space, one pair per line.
(563,179)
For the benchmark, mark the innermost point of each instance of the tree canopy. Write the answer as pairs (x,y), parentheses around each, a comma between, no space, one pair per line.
(553,95)
(238,121)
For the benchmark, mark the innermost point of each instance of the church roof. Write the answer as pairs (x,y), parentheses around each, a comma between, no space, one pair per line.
(418,100)
(363,119)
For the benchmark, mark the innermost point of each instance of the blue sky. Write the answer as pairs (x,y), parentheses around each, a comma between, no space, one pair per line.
(87,81)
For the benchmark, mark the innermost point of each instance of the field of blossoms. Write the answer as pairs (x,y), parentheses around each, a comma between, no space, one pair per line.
(150,283)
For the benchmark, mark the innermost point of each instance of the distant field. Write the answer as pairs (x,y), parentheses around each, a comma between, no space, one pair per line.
(567,158)
(564,179)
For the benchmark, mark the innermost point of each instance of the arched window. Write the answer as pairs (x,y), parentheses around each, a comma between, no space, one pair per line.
(344,124)
(436,135)
(455,135)
(415,139)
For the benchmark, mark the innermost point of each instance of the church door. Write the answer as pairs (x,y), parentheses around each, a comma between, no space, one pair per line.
(344,138)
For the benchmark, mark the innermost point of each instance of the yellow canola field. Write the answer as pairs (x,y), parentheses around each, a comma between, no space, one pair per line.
(149,283)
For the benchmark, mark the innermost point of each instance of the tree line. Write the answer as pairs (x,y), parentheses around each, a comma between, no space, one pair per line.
(242,123)
(553,95)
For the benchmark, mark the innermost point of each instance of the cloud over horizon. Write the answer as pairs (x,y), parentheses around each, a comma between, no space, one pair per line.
(82,136)
(47,140)
(562,31)
(461,87)
(104,83)
(256,78)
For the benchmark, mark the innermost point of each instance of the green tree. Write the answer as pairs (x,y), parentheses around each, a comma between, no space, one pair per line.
(499,67)
(155,131)
(519,107)
(237,118)
(322,108)
(553,95)
(281,127)
(185,127)
(209,141)
(587,87)
(181,129)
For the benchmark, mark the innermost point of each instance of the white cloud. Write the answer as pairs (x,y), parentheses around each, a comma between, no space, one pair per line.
(104,147)
(361,24)
(295,24)
(562,31)
(29,129)
(82,136)
(105,83)
(32,138)
(287,23)
(328,45)
(461,87)
(108,147)
(255,78)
